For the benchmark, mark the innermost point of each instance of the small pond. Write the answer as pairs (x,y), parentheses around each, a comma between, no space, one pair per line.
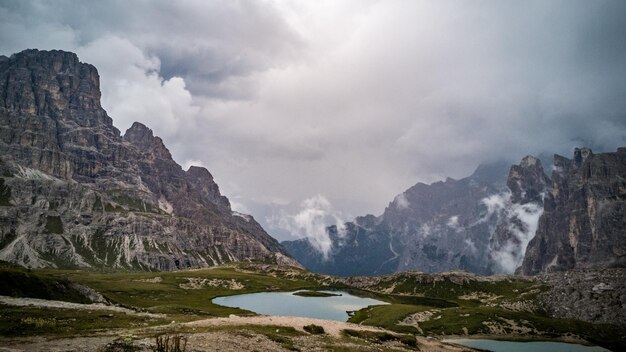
(534,346)
(286,303)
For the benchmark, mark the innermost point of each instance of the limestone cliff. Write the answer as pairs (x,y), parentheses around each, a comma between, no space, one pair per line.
(75,193)
(584,220)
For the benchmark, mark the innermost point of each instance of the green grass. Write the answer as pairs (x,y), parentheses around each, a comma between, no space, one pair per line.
(387,316)
(5,194)
(512,289)
(54,224)
(140,291)
(459,320)
(19,282)
(29,321)
(308,293)
(130,289)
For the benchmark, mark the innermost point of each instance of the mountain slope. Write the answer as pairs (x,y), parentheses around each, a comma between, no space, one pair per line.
(75,193)
(584,219)
(437,227)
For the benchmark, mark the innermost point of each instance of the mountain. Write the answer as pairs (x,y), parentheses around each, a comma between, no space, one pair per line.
(489,223)
(438,227)
(75,193)
(584,220)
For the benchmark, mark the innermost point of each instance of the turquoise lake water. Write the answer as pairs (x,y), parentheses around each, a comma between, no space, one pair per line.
(285,303)
(535,346)
(336,307)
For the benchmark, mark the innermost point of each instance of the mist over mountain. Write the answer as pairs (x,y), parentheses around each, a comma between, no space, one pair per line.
(490,222)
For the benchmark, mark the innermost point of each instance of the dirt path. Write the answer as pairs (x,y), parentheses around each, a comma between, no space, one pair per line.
(36,302)
(331,327)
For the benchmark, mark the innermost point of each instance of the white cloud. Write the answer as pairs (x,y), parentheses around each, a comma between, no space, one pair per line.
(316,213)
(401,201)
(133,90)
(453,223)
(522,221)
(496,204)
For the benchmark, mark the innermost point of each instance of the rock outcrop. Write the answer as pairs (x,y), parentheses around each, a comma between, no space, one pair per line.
(584,220)
(594,295)
(75,193)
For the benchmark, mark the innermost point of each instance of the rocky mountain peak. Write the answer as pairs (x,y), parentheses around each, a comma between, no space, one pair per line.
(199,172)
(202,183)
(143,138)
(529,161)
(75,193)
(583,221)
(40,81)
(580,155)
(527,181)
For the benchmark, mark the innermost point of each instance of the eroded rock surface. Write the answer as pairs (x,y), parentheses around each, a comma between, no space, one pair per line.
(584,220)
(75,193)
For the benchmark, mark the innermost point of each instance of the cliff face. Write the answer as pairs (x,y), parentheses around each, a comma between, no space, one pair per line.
(584,221)
(74,193)
(534,224)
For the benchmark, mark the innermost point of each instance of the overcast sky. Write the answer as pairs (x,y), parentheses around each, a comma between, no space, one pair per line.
(337,106)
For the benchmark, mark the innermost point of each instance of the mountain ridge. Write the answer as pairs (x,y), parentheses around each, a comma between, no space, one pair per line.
(79,194)
(486,223)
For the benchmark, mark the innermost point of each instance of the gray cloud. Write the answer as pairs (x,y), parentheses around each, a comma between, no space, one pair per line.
(352,100)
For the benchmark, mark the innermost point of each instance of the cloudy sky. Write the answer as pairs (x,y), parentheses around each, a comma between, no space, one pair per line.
(328,109)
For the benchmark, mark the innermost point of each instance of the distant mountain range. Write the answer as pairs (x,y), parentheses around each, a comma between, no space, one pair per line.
(74,193)
(491,223)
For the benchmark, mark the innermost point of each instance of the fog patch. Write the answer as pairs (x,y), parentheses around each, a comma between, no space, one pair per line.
(311,222)
(453,223)
(521,222)
(401,202)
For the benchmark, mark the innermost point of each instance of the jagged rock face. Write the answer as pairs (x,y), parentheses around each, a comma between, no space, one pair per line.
(522,208)
(439,227)
(74,193)
(583,224)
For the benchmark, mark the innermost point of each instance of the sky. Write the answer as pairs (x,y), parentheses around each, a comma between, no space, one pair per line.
(314,112)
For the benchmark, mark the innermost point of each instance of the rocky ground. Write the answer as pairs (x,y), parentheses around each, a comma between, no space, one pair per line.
(597,296)
(233,334)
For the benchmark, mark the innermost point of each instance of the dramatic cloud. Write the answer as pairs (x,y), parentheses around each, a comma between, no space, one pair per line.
(511,255)
(310,222)
(354,100)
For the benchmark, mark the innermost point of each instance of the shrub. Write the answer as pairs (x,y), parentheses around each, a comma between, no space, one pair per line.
(314,329)
(54,224)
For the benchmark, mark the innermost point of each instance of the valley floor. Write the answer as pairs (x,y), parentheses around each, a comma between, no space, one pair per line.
(73,310)
(236,334)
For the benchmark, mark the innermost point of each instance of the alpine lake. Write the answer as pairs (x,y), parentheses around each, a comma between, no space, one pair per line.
(339,306)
